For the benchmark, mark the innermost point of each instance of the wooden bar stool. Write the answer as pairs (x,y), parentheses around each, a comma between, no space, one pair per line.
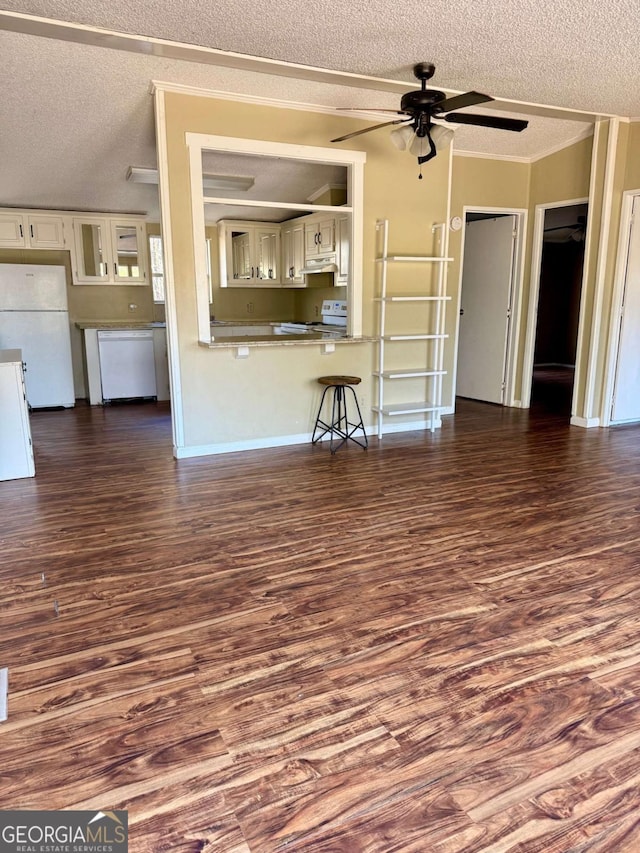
(339,427)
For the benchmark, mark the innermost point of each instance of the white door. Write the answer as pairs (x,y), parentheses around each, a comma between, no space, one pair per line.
(487,279)
(626,394)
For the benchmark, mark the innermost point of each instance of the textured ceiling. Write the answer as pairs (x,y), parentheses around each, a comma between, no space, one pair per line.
(91,106)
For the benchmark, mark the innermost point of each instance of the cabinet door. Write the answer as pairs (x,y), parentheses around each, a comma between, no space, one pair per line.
(293,255)
(46,232)
(91,241)
(128,252)
(12,230)
(238,252)
(267,262)
(326,236)
(311,246)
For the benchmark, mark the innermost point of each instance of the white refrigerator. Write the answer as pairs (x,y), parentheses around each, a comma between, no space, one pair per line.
(34,318)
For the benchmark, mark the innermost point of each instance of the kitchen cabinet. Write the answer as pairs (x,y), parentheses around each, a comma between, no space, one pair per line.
(319,236)
(22,230)
(249,254)
(293,253)
(108,250)
(16,450)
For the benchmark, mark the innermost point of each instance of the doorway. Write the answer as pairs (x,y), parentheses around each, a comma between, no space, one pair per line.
(625,397)
(489,289)
(557,271)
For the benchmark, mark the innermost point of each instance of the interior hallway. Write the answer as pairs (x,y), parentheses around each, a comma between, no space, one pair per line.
(428,646)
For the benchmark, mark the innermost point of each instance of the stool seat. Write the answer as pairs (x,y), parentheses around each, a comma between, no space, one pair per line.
(339,380)
(340,428)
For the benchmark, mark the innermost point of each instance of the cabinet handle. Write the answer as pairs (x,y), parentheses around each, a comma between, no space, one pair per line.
(21,231)
(252,275)
(115,269)
(31,230)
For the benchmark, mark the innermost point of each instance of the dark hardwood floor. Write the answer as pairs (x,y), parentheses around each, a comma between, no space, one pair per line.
(433,645)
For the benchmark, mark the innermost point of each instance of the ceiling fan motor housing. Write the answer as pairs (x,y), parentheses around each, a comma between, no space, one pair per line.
(422,100)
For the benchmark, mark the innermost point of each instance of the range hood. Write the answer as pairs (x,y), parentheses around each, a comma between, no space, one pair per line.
(326,263)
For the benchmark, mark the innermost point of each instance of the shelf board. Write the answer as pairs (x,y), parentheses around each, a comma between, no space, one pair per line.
(405,373)
(414,259)
(408,298)
(417,337)
(406,408)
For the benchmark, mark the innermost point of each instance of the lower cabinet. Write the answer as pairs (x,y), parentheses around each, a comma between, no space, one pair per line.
(16,450)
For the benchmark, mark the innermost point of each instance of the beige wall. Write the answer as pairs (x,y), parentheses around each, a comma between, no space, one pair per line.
(273,392)
(478,182)
(632,171)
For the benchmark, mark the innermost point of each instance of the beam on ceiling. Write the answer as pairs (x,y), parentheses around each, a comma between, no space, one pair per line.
(19,22)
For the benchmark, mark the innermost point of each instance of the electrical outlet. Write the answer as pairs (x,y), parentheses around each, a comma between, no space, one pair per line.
(133,307)
(249,307)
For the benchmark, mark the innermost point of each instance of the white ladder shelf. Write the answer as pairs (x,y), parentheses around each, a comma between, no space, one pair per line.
(432,369)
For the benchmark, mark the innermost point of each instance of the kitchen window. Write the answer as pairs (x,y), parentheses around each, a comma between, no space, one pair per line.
(157,268)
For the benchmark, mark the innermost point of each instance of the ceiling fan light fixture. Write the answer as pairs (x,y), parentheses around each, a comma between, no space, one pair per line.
(401,136)
(442,136)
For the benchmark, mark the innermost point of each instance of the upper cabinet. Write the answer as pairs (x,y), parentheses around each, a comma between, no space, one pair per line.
(20,230)
(108,250)
(259,254)
(319,236)
(249,254)
(105,249)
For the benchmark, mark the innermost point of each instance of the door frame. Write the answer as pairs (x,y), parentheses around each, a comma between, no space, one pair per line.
(521,215)
(615,321)
(534,295)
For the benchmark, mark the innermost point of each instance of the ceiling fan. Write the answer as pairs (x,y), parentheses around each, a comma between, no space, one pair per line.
(418,133)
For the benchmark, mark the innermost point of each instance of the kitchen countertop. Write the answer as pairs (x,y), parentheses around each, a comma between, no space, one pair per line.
(283,340)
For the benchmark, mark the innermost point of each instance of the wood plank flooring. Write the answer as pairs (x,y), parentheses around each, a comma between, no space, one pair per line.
(433,645)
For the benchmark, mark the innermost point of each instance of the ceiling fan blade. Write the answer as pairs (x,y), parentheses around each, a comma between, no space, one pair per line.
(468,99)
(369,129)
(497,122)
(371,110)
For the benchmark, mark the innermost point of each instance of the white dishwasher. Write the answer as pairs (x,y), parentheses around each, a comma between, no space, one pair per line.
(127,364)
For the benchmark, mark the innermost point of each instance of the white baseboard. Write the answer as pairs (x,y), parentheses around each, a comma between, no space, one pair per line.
(587,423)
(287,440)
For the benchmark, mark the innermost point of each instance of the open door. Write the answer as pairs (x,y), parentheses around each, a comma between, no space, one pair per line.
(626,394)
(485,308)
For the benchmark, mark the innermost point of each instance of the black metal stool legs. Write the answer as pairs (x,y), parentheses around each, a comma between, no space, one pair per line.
(340,427)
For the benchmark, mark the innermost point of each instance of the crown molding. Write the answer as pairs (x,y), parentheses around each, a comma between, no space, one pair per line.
(482,155)
(259,100)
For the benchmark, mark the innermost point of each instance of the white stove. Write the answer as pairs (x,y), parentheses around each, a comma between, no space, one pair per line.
(334,320)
